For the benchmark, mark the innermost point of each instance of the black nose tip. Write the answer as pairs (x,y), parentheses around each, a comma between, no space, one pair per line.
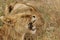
(30,26)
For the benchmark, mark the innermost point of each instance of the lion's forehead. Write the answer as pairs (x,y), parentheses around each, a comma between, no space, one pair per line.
(20,6)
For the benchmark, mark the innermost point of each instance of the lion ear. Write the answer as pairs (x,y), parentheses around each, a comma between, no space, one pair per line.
(8,9)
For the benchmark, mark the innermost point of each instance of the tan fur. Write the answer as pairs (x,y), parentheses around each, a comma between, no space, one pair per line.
(16,22)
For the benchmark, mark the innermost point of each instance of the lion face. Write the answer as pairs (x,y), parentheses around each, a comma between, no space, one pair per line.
(24,23)
(20,18)
(23,18)
(21,23)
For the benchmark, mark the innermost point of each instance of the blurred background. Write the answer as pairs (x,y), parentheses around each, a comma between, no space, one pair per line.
(50,9)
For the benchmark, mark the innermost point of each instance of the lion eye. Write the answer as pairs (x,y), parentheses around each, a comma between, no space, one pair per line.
(33,19)
(10,8)
(33,16)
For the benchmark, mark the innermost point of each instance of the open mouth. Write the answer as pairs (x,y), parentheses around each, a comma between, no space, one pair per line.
(31,27)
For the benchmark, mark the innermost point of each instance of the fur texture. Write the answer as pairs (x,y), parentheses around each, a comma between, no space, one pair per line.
(18,20)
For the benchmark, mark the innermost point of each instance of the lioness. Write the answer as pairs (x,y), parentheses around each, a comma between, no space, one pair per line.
(18,20)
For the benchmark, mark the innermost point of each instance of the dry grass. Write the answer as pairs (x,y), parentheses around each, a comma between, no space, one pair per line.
(50,9)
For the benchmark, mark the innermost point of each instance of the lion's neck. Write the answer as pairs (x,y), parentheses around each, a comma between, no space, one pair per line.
(16,35)
(12,34)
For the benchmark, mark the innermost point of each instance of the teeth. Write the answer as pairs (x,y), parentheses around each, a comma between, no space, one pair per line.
(33,28)
(33,32)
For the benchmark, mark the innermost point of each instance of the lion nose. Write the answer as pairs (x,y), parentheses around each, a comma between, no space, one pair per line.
(30,26)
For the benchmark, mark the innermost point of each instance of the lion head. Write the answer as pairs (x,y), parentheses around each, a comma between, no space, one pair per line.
(22,18)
